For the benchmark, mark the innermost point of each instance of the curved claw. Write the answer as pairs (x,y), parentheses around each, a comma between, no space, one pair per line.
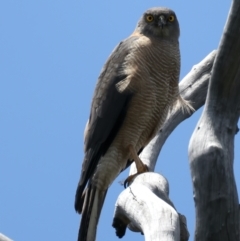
(130,179)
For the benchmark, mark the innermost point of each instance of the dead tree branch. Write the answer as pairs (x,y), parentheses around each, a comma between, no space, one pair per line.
(4,238)
(211,148)
(145,207)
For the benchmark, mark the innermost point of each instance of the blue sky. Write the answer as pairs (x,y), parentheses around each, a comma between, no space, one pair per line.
(51,53)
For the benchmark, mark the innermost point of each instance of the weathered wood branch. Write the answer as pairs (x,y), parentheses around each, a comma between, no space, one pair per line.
(211,148)
(4,238)
(142,218)
(193,88)
(137,206)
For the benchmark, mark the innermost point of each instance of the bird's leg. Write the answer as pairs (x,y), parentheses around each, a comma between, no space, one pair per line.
(139,164)
(141,168)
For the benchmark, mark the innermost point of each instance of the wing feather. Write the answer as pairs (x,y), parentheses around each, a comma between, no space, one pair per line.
(108,110)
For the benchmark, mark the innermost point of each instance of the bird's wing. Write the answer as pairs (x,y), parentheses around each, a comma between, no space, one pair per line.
(108,111)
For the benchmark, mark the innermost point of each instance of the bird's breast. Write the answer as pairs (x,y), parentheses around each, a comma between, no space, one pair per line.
(153,72)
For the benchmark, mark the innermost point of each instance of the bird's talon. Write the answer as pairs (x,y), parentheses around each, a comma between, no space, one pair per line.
(145,169)
(130,179)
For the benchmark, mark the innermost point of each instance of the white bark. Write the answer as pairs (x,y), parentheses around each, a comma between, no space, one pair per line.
(4,238)
(145,207)
(211,148)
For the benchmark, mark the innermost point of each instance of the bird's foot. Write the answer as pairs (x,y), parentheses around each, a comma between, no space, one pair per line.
(130,179)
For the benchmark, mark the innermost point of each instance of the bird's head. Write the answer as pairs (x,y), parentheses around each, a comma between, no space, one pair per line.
(159,22)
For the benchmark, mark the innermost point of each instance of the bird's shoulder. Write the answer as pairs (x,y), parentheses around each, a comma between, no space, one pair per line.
(120,53)
(112,70)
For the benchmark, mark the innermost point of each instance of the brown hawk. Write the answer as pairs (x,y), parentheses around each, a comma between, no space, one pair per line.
(135,90)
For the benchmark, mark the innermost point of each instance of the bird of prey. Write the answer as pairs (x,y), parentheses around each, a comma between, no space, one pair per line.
(135,90)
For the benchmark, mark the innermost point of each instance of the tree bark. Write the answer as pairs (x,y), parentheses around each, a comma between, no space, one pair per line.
(137,206)
(157,218)
(211,148)
(4,238)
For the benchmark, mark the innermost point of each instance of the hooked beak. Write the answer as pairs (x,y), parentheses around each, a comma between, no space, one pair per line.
(162,21)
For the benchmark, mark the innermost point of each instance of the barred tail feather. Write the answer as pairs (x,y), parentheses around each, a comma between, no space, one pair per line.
(92,206)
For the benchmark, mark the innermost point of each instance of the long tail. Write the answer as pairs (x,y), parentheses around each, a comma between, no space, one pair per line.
(92,202)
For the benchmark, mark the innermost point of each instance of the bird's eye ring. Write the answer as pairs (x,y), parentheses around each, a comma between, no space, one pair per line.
(171,18)
(149,18)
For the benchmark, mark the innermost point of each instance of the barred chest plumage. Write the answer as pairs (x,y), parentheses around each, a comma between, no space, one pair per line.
(153,77)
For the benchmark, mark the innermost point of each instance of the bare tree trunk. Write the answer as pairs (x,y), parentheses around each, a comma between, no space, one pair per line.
(145,206)
(211,149)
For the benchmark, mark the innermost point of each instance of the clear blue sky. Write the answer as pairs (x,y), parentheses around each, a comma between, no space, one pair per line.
(51,53)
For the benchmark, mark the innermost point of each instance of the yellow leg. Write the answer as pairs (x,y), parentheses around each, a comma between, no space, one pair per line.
(141,168)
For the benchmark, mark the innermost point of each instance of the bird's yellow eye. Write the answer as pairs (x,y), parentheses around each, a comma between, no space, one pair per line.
(171,18)
(149,18)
